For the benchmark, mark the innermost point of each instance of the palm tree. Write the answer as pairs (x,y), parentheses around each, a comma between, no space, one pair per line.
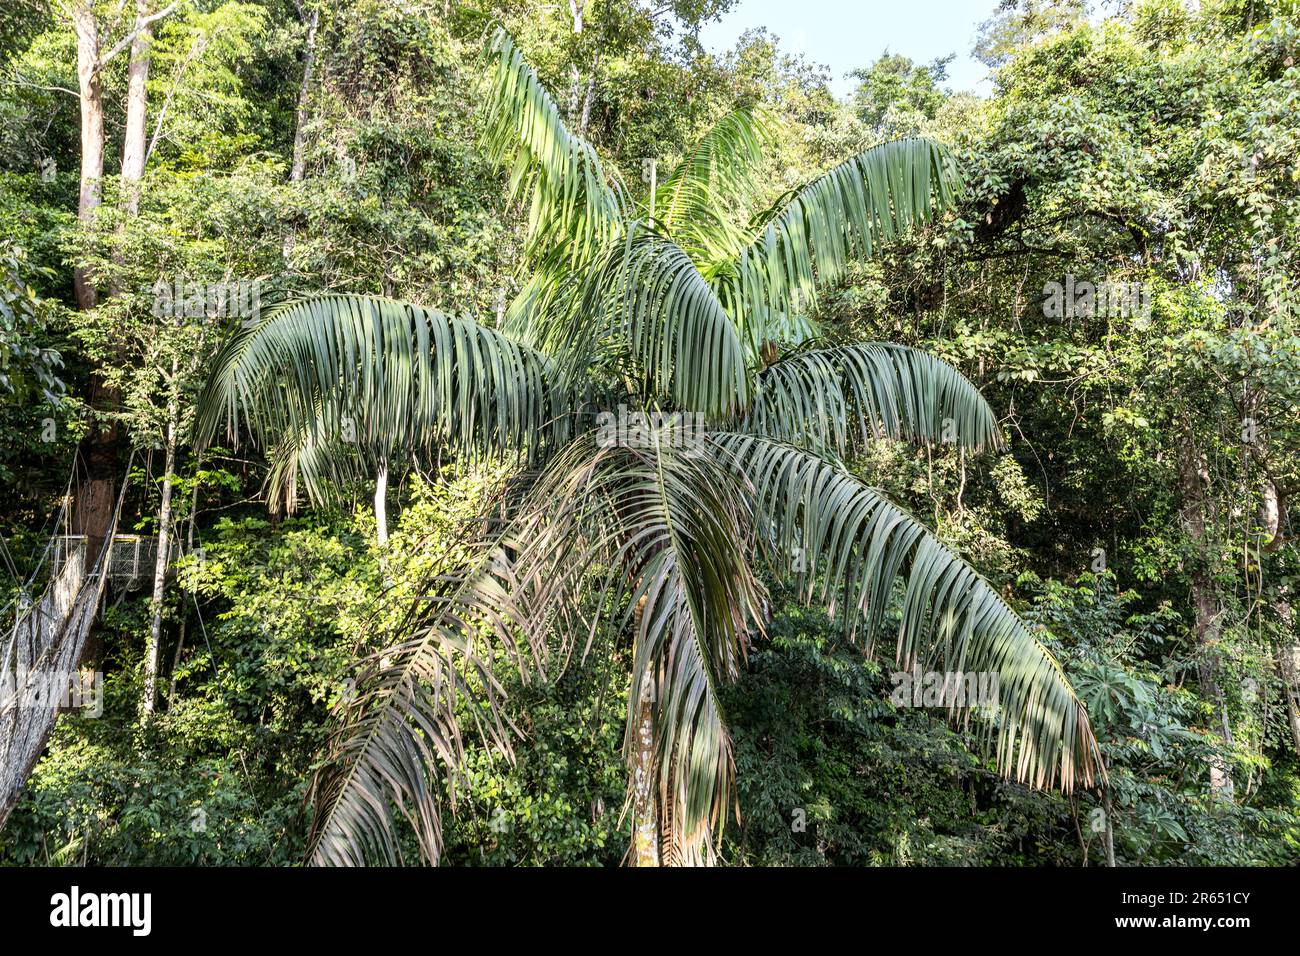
(676,428)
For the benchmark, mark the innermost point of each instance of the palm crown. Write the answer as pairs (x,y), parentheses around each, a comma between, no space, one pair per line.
(669,307)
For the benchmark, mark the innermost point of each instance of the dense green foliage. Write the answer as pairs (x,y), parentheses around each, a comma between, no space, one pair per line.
(1142,513)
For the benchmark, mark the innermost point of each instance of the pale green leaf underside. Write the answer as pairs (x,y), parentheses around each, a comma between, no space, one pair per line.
(842,217)
(574,202)
(854,544)
(837,398)
(368,378)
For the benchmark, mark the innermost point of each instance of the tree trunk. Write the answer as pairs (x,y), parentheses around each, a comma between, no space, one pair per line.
(189,549)
(137,101)
(645,808)
(91,99)
(1109,833)
(96,493)
(153,649)
(1205,599)
(645,811)
(381,503)
(298,170)
(1288,668)
(575,90)
(586,106)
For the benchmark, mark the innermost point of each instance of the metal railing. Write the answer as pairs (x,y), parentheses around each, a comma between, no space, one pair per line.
(130,559)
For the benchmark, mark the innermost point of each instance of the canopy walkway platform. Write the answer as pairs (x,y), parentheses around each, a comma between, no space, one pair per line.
(130,560)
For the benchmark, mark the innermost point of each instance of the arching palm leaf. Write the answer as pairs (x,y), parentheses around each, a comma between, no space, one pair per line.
(380,377)
(670,527)
(811,239)
(697,203)
(858,543)
(575,204)
(398,731)
(836,398)
(700,599)
(653,297)
(644,306)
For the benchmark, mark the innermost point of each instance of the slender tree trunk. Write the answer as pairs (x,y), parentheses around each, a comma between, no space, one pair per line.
(1270,516)
(298,170)
(645,811)
(575,76)
(1205,600)
(1109,834)
(189,549)
(1287,656)
(91,99)
(381,503)
(586,106)
(135,140)
(575,89)
(153,649)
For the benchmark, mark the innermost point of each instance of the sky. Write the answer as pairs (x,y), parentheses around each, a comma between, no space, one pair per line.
(848,34)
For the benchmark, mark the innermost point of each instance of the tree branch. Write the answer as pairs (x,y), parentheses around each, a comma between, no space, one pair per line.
(140,25)
(19,81)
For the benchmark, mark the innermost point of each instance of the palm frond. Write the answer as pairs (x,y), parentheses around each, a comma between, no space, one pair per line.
(698,202)
(574,202)
(815,235)
(700,599)
(305,456)
(685,344)
(398,734)
(380,377)
(837,398)
(644,307)
(662,535)
(824,521)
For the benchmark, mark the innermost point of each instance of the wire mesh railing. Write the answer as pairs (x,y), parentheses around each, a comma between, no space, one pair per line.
(131,559)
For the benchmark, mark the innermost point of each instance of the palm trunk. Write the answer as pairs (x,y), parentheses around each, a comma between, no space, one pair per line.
(153,649)
(645,811)
(381,503)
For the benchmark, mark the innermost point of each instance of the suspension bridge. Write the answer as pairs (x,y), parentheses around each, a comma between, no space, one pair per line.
(42,651)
